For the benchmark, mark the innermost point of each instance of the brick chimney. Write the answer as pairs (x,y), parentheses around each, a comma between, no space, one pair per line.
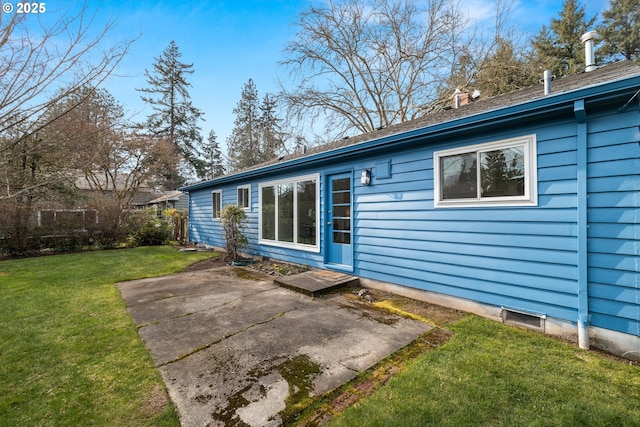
(461,98)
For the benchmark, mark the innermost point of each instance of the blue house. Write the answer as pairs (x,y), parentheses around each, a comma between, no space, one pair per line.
(522,207)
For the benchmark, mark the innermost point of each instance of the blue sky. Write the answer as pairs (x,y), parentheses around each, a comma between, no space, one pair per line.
(230,41)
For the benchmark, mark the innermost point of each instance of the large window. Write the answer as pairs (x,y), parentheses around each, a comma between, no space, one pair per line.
(497,173)
(244,197)
(289,212)
(216,204)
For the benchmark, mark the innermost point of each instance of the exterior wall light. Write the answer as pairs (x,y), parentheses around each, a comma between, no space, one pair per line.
(365,178)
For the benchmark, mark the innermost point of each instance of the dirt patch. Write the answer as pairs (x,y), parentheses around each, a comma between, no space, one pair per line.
(275,268)
(156,402)
(250,274)
(267,266)
(435,314)
(207,263)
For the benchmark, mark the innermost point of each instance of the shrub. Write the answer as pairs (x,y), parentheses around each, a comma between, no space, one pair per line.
(152,231)
(178,220)
(234,220)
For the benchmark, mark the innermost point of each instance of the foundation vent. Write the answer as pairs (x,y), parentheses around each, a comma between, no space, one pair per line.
(525,319)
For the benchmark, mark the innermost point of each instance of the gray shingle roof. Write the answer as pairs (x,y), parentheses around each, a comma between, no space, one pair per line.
(608,73)
(605,74)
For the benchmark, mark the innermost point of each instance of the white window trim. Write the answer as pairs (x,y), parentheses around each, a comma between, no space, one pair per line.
(530,197)
(294,180)
(213,212)
(242,187)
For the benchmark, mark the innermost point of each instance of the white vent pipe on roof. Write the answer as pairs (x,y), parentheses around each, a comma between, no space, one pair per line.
(589,40)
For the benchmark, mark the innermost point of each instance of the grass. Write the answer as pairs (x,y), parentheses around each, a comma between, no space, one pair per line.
(490,374)
(70,354)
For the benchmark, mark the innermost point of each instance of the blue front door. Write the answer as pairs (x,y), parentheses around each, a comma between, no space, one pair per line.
(338,217)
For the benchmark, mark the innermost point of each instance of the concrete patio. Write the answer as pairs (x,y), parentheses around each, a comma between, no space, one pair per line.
(232,346)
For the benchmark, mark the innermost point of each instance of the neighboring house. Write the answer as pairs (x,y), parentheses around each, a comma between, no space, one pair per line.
(522,207)
(142,194)
(168,200)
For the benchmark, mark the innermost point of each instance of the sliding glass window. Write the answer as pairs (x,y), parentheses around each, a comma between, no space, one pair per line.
(289,213)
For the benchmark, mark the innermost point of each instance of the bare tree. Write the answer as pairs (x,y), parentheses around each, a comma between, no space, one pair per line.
(38,60)
(367,64)
(103,149)
(359,65)
(494,59)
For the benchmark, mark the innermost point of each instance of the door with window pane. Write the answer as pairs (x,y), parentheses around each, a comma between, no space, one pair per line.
(339,222)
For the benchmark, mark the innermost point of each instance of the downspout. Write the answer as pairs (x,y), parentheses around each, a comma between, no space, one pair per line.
(189,222)
(582,225)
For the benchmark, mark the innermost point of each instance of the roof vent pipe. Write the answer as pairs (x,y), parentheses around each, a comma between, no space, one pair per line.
(456,99)
(589,40)
(547,77)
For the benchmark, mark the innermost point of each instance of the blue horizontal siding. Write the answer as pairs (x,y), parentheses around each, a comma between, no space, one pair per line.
(613,168)
(616,323)
(614,152)
(614,230)
(613,293)
(612,216)
(511,256)
(484,250)
(613,246)
(614,183)
(472,289)
(507,214)
(613,277)
(505,229)
(474,265)
(556,173)
(620,199)
(520,257)
(497,240)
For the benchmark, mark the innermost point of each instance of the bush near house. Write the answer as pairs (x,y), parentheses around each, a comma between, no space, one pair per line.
(234,221)
(151,231)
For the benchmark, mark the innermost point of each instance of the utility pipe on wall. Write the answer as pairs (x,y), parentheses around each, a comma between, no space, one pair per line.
(582,225)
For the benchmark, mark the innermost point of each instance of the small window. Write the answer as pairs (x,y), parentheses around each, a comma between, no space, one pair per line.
(244,197)
(497,173)
(216,204)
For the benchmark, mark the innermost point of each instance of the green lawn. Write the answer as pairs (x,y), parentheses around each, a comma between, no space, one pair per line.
(69,352)
(70,356)
(491,374)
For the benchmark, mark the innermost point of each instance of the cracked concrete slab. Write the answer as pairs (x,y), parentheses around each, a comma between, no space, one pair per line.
(224,344)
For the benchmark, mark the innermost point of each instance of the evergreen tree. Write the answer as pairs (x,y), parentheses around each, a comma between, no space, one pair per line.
(213,156)
(271,135)
(558,47)
(174,118)
(504,71)
(256,136)
(620,30)
(244,142)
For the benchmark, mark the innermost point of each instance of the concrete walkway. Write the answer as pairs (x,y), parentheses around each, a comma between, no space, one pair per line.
(231,346)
